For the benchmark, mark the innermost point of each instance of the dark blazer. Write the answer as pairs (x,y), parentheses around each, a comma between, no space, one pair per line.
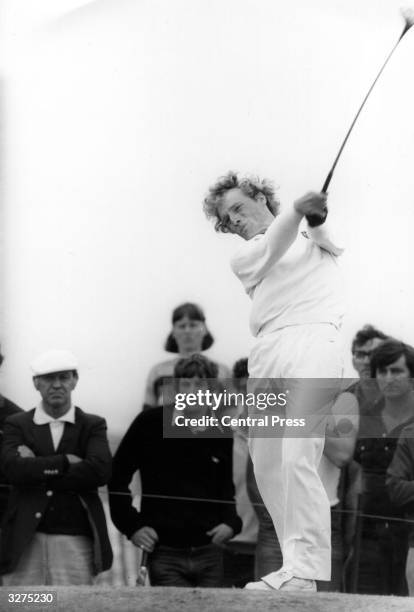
(36,479)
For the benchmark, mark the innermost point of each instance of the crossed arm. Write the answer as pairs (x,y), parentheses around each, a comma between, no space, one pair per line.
(59,471)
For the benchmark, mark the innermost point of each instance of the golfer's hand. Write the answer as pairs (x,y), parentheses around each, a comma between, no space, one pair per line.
(220,534)
(145,538)
(311,204)
(73,458)
(25,451)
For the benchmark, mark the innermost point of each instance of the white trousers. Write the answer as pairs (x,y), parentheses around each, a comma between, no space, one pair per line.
(409,571)
(286,468)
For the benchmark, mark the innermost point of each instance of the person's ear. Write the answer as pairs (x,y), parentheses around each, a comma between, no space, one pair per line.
(75,380)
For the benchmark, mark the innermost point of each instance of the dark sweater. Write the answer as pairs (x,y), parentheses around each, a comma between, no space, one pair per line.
(400,477)
(194,466)
(374,451)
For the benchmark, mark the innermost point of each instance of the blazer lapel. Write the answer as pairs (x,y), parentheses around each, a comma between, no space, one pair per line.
(43,439)
(70,437)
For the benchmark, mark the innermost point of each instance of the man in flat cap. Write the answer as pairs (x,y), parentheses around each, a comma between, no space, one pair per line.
(55,456)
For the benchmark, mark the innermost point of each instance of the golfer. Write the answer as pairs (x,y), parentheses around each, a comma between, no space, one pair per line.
(293,280)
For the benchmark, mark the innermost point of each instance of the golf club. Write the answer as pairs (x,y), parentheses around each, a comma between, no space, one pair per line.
(142,570)
(409,22)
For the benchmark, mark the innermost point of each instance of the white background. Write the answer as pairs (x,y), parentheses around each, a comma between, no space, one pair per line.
(118,114)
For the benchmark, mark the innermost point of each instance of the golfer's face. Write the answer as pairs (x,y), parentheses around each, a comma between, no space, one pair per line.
(243,215)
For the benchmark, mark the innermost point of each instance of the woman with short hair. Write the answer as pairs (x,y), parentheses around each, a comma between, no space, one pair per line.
(189,335)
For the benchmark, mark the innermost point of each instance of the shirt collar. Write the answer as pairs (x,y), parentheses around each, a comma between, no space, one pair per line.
(41,417)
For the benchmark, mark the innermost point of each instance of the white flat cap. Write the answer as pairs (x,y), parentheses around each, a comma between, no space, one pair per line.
(54,361)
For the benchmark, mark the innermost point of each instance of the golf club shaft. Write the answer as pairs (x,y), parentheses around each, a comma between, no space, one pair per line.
(331,171)
(142,571)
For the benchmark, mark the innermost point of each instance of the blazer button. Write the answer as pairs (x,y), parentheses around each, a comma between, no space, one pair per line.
(38,515)
(49,493)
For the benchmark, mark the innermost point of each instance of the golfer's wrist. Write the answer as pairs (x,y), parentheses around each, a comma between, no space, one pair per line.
(296,215)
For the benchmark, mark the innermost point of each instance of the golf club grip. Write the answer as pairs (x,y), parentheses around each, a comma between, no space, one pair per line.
(144,558)
(316,220)
(327,181)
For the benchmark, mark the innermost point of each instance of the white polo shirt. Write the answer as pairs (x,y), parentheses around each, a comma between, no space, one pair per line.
(57,426)
(304,286)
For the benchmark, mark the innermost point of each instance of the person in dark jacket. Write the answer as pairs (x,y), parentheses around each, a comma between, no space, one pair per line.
(7,408)
(367,394)
(366,388)
(400,484)
(384,535)
(183,535)
(55,456)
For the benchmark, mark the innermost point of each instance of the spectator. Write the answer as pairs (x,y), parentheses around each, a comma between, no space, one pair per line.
(367,393)
(7,408)
(240,552)
(400,483)
(338,451)
(366,389)
(184,537)
(383,546)
(55,456)
(189,335)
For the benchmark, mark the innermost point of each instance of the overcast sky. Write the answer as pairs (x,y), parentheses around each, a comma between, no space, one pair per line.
(118,114)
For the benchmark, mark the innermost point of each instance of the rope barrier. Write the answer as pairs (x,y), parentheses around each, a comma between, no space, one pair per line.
(355,513)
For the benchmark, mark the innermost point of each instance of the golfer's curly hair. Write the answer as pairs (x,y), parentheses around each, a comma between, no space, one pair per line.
(249,185)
